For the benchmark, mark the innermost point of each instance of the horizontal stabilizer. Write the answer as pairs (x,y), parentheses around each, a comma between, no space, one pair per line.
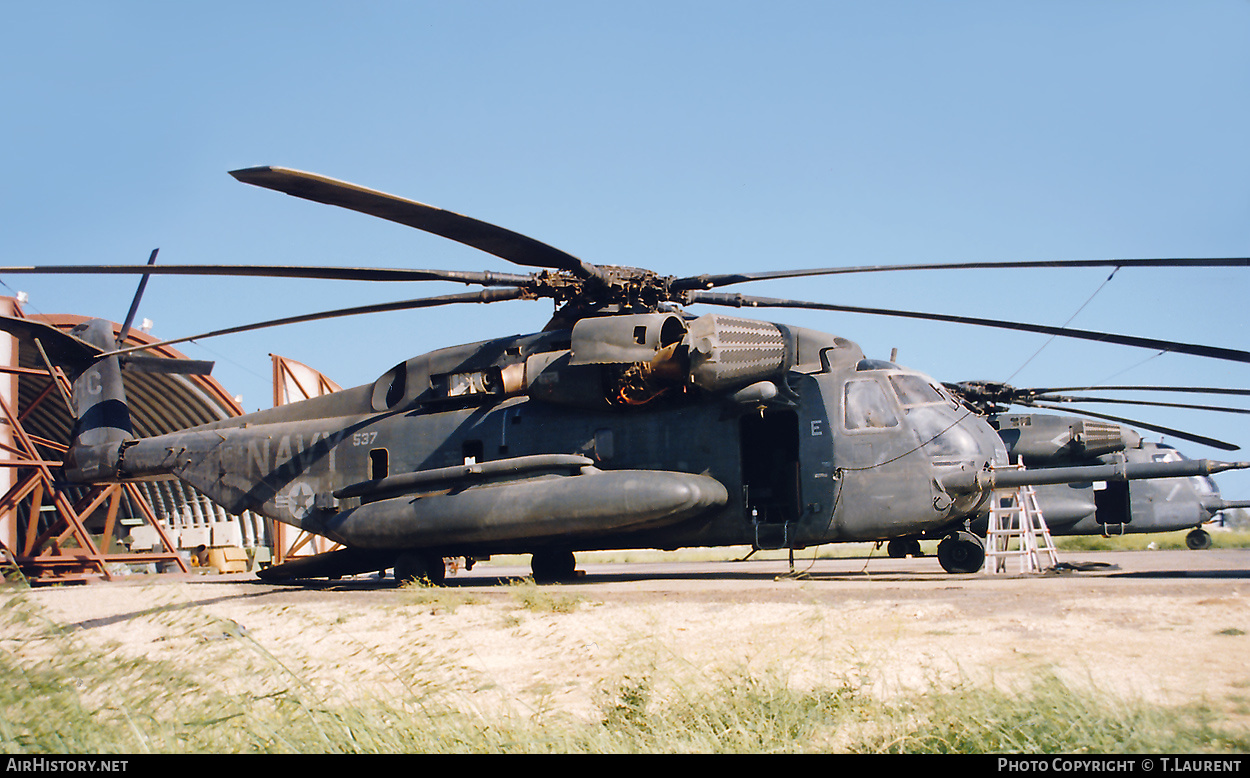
(66,351)
(74,355)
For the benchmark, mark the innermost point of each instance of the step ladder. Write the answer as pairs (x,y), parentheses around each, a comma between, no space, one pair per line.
(1015,514)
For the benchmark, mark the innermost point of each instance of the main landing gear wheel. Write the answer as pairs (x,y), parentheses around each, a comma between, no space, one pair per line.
(1198,540)
(412,566)
(553,566)
(903,548)
(961,552)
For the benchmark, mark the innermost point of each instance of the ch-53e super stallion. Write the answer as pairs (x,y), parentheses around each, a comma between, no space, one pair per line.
(627,422)
(1060,440)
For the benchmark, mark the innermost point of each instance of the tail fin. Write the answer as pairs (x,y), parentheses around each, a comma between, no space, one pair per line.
(101,415)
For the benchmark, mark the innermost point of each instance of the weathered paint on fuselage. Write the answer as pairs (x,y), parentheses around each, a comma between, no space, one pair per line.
(842,484)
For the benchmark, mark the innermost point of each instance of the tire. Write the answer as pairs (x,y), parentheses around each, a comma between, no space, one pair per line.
(961,552)
(1198,540)
(423,566)
(553,566)
(901,548)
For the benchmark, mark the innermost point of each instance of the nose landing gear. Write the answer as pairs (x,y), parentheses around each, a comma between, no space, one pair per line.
(1198,540)
(961,552)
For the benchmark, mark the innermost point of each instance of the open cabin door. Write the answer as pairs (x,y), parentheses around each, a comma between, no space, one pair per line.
(770,474)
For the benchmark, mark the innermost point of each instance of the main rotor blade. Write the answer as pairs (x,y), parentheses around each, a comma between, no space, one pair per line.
(280,271)
(1059,398)
(747,301)
(1179,389)
(484,296)
(711,281)
(1144,425)
(165,365)
(492,239)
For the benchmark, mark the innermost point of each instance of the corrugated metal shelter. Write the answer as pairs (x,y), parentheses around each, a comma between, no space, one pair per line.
(56,531)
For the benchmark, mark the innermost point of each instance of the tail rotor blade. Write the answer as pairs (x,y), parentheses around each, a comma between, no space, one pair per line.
(134,304)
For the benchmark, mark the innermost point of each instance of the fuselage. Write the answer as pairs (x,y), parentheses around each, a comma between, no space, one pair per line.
(821,446)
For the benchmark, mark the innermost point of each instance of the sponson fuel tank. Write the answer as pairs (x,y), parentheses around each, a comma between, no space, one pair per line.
(590,502)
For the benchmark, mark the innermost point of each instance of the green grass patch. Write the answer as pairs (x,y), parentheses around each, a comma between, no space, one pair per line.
(1144,541)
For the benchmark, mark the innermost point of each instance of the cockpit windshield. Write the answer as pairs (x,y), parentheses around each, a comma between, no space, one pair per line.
(913,390)
(935,417)
(1203,484)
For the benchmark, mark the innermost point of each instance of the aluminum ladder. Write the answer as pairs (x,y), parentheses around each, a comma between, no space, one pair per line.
(1015,514)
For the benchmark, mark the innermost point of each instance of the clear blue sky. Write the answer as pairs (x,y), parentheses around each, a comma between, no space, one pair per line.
(685,137)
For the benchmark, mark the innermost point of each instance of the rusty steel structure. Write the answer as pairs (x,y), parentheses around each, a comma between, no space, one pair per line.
(55,532)
(293,382)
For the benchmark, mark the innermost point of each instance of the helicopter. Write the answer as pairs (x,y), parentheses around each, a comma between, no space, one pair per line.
(626,422)
(1113,508)
(1108,508)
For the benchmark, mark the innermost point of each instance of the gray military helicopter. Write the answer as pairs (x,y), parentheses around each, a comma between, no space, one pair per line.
(627,422)
(1111,508)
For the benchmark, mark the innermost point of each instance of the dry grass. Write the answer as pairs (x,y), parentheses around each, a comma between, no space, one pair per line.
(446,670)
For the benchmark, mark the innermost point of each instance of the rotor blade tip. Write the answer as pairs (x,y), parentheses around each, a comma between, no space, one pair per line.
(245,173)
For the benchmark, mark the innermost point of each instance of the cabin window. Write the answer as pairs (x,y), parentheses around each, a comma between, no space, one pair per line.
(473,452)
(379,464)
(866,406)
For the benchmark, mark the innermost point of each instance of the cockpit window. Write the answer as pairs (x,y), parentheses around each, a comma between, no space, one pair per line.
(914,390)
(867,406)
(1203,484)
